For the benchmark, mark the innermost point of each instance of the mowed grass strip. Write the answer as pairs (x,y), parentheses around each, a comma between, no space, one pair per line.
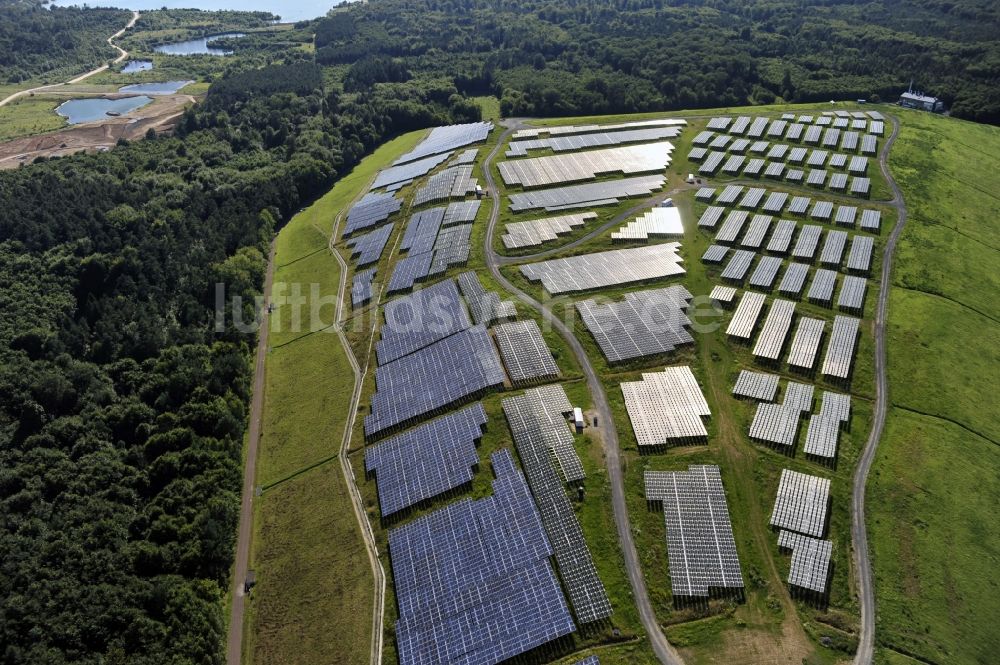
(313,600)
(932,502)
(314,592)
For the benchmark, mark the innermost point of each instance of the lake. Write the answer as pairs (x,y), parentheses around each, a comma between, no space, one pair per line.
(200,46)
(87,110)
(160,88)
(133,66)
(289,11)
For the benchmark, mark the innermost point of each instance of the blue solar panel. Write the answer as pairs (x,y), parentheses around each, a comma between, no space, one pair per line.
(361,287)
(446,373)
(443,139)
(408,270)
(426,461)
(421,231)
(433,246)
(421,318)
(372,209)
(473,580)
(368,247)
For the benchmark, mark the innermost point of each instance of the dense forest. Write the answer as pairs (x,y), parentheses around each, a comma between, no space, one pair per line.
(35,41)
(560,57)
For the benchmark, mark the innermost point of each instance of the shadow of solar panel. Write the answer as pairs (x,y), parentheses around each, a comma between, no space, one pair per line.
(576,567)
(447,138)
(601,269)
(419,319)
(448,372)
(367,248)
(701,550)
(588,194)
(361,287)
(524,352)
(473,580)
(370,210)
(644,323)
(426,461)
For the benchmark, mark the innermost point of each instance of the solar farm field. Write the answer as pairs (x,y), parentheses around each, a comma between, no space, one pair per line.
(737,497)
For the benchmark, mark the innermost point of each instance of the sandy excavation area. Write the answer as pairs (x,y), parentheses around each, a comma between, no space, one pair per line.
(162,115)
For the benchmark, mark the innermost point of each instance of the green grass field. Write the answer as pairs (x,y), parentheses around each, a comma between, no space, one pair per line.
(312,569)
(28,116)
(934,486)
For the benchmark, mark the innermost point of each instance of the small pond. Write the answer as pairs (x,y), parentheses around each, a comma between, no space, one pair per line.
(97,108)
(133,66)
(200,46)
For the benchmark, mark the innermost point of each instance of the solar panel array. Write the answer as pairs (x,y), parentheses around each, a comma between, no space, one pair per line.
(859,259)
(520,148)
(361,287)
(535,132)
(775,201)
(810,567)
(781,238)
(738,265)
(454,182)
(644,323)
(852,293)
(759,226)
(666,407)
(824,427)
(524,352)
(705,194)
(846,215)
(794,279)
(370,210)
(778,424)
(731,228)
(806,343)
(586,195)
(805,246)
(658,221)
(711,217)
(840,350)
(433,247)
(712,163)
(445,139)
(420,319)
(576,566)
(426,461)
(601,269)
(775,330)
(442,374)
(730,194)
(367,248)
(537,231)
(397,176)
(473,579)
(543,415)
(756,385)
(861,186)
(701,549)
(802,503)
(821,289)
(765,272)
(833,248)
(466,157)
(722,294)
(746,314)
(557,169)
(715,254)
(871,220)
(485,306)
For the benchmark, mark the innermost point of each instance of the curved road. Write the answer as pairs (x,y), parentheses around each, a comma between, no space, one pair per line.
(859,534)
(664,652)
(122,54)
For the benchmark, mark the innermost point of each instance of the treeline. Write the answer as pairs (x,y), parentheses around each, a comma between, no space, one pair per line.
(555,57)
(36,41)
(122,406)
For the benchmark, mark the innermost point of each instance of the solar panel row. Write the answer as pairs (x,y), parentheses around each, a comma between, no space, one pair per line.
(601,269)
(644,323)
(590,194)
(557,169)
(485,306)
(538,231)
(524,352)
(666,407)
